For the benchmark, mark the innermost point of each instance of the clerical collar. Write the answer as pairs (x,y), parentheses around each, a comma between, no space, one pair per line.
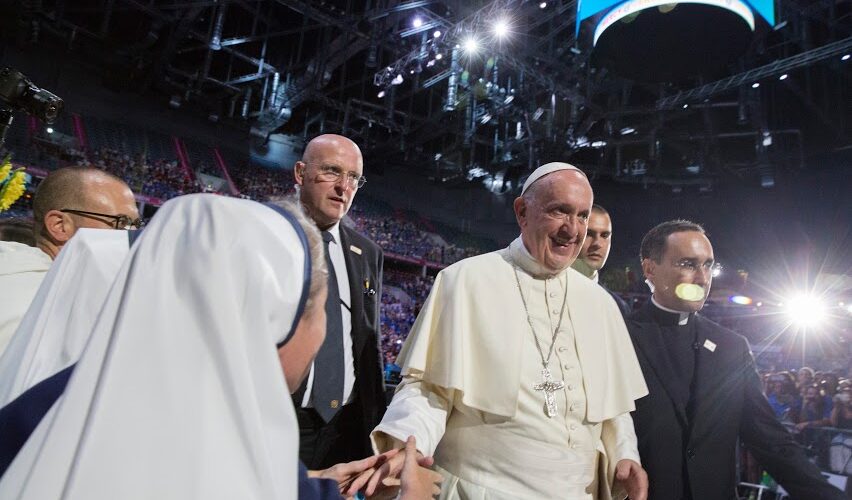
(523,259)
(666,316)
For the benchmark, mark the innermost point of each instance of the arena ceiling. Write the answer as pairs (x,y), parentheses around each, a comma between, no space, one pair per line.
(378,72)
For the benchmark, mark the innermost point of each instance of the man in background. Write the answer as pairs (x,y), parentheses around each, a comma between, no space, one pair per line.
(342,398)
(66,200)
(595,251)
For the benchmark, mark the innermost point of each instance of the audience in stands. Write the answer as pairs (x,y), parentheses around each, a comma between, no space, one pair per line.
(783,396)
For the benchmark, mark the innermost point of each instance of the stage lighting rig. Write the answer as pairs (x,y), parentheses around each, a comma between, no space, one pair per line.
(18,93)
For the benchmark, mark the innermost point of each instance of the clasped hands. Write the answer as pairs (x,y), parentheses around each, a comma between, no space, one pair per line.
(402,472)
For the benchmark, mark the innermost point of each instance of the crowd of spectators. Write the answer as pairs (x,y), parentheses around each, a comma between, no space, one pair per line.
(403,294)
(258,183)
(817,407)
(162,179)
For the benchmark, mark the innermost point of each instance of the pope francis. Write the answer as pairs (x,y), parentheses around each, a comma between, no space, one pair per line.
(519,375)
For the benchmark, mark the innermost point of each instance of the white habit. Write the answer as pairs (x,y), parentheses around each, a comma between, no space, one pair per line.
(470,364)
(58,323)
(179,392)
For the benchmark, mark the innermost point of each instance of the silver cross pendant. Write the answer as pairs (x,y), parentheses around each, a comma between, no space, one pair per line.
(548,386)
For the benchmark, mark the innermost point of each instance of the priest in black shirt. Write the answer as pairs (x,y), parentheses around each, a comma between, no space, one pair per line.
(704,390)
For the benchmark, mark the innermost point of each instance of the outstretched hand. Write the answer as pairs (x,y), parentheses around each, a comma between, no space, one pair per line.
(633,478)
(346,474)
(417,482)
(383,480)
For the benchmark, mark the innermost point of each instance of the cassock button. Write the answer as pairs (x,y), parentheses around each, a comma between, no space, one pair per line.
(334,403)
(562,349)
(570,387)
(690,452)
(552,294)
(555,312)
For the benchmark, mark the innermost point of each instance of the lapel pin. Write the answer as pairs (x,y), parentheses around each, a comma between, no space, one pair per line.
(355,249)
(710,346)
(367,289)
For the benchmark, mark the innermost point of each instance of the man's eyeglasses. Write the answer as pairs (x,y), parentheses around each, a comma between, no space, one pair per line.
(117,221)
(333,174)
(714,268)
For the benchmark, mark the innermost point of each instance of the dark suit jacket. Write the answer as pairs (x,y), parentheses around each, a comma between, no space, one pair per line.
(622,306)
(697,454)
(364,262)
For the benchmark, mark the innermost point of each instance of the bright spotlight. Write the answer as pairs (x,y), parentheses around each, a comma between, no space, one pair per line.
(471,45)
(397,80)
(783,77)
(755,85)
(685,106)
(380,94)
(436,34)
(849,308)
(49,130)
(805,310)
(845,57)
(417,22)
(501,28)
(717,270)
(439,56)
(542,5)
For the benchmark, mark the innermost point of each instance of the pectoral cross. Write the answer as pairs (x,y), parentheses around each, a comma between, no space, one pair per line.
(548,386)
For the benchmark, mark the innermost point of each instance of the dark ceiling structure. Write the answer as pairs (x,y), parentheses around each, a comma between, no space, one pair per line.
(474,90)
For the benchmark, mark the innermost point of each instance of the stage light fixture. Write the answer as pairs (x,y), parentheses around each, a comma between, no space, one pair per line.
(783,77)
(49,130)
(509,99)
(717,271)
(436,34)
(685,106)
(628,130)
(471,45)
(430,63)
(501,28)
(542,5)
(397,80)
(417,22)
(755,85)
(380,94)
(845,57)
(805,310)
(439,56)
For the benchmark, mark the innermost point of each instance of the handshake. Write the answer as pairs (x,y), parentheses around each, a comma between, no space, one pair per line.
(402,473)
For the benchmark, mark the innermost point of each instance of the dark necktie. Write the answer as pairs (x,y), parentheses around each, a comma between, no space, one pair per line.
(328,365)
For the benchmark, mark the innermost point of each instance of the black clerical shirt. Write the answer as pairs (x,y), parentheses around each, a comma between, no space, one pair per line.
(680,338)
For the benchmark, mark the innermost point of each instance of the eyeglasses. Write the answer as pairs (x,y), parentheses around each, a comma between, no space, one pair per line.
(120,221)
(333,174)
(714,268)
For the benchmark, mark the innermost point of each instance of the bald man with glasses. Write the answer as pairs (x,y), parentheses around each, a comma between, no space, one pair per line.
(343,397)
(66,200)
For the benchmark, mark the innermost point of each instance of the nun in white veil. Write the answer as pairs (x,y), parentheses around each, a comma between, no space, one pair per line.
(180,392)
(57,324)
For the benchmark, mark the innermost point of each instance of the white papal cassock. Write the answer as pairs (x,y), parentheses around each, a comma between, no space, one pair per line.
(470,364)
